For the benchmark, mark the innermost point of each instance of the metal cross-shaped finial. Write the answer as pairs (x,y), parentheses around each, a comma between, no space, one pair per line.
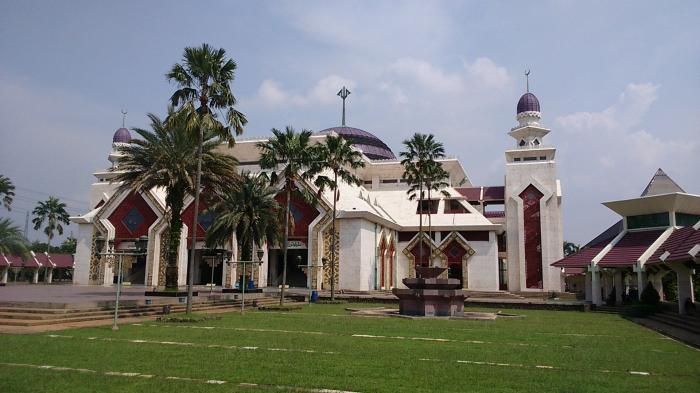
(124,112)
(344,93)
(527,80)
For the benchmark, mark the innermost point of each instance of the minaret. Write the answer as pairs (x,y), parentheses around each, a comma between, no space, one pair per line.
(533,203)
(122,137)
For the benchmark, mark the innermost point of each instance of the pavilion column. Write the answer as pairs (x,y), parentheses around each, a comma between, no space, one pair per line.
(684,277)
(49,275)
(589,292)
(658,283)
(35,277)
(641,282)
(3,277)
(596,297)
(618,286)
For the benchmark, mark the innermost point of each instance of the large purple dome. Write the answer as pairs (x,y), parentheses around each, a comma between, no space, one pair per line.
(122,135)
(368,143)
(528,103)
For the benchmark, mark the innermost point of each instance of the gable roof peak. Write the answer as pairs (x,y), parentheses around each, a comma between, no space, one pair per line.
(661,183)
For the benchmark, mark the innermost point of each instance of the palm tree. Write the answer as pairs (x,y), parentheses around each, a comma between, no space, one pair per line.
(418,160)
(204,79)
(337,155)
(12,240)
(166,157)
(248,209)
(294,150)
(7,191)
(435,176)
(53,212)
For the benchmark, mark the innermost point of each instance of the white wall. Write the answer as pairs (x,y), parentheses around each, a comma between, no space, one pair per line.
(81,271)
(483,265)
(357,266)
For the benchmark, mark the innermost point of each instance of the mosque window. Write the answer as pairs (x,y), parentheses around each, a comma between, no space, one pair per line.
(686,220)
(452,206)
(516,159)
(522,143)
(648,221)
(427,206)
(543,158)
(536,142)
(530,159)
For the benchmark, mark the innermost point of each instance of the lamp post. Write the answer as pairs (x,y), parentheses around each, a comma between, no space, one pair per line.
(213,261)
(139,249)
(260,253)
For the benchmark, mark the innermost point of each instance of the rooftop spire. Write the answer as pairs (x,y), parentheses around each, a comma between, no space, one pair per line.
(124,112)
(344,93)
(527,80)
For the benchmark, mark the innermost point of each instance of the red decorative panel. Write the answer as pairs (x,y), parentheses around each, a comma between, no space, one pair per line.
(454,253)
(416,251)
(303,213)
(382,248)
(204,221)
(391,264)
(132,218)
(533,236)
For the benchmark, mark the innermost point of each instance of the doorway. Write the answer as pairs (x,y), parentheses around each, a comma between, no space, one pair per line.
(296,258)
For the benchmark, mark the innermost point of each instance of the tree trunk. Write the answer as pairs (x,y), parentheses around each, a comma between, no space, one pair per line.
(174,202)
(247,255)
(190,265)
(420,222)
(430,228)
(333,239)
(286,240)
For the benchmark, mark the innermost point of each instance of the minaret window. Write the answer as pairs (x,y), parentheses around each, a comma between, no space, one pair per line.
(536,142)
(522,143)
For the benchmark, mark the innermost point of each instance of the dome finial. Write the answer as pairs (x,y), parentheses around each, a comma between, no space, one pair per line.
(527,80)
(124,112)
(344,93)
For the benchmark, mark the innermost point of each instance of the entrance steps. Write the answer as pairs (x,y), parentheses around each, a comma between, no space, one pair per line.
(16,315)
(690,323)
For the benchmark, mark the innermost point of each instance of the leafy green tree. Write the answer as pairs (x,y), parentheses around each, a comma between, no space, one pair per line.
(293,151)
(166,156)
(247,209)
(204,79)
(420,169)
(53,213)
(7,191)
(337,155)
(12,241)
(435,176)
(570,248)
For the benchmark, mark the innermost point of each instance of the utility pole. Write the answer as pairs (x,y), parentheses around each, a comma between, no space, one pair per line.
(26,227)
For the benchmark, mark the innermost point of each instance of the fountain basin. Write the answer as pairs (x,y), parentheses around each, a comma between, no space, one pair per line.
(430,296)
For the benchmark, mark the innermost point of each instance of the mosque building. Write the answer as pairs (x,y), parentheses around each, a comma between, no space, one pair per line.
(499,237)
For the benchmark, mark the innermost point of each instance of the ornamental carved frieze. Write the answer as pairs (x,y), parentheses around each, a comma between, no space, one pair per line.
(164,250)
(327,243)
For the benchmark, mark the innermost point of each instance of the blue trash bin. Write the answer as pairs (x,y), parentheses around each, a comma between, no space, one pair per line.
(314,296)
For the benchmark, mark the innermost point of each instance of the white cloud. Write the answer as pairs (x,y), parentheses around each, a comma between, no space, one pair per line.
(427,76)
(485,73)
(271,92)
(628,111)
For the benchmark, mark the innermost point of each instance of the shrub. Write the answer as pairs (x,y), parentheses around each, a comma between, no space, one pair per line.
(650,296)
(610,301)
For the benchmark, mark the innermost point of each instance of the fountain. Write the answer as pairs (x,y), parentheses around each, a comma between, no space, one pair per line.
(430,296)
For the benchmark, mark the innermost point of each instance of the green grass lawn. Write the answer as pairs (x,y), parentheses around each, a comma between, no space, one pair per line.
(323,347)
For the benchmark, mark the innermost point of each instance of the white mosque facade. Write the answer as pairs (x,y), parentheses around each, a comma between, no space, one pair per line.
(501,237)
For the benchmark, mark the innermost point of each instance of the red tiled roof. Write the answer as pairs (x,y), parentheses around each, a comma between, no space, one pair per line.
(3,261)
(495,214)
(673,242)
(571,271)
(62,260)
(681,252)
(583,257)
(56,260)
(628,250)
(470,193)
(494,193)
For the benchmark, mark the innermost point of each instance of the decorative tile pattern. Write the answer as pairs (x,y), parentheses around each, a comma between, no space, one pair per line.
(132,220)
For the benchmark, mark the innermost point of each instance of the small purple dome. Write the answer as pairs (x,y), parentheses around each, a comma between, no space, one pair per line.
(368,143)
(528,103)
(122,135)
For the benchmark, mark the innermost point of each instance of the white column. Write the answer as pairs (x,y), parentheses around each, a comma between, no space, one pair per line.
(49,276)
(35,278)
(641,282)
(619,289)
(589,292)
(685,285)
(3,278)
(596,297)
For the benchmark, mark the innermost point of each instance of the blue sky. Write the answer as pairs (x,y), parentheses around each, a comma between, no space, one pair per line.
(618,83)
